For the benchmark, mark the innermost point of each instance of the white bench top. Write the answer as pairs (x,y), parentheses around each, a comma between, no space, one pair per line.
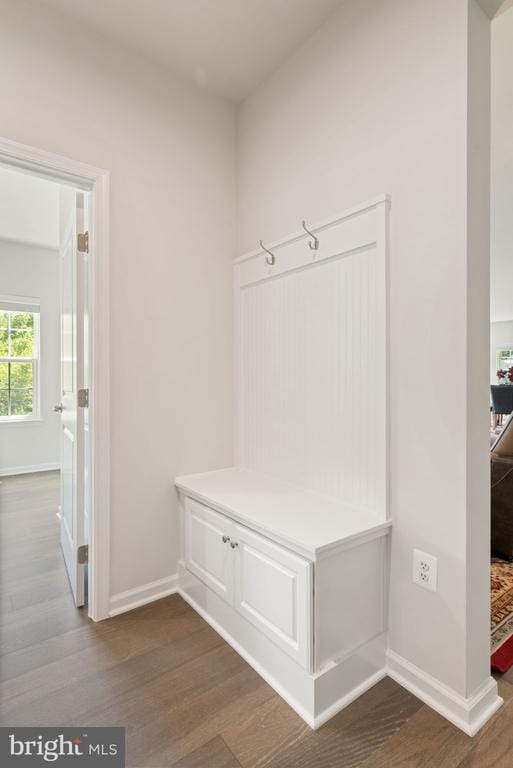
(309,523)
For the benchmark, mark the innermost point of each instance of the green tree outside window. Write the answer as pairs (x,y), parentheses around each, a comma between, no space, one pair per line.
(18,363)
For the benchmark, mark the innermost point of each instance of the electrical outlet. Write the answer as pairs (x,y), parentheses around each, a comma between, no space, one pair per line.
(424,570)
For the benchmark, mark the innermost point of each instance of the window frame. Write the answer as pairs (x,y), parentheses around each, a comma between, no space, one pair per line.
(26,306)
(498,351)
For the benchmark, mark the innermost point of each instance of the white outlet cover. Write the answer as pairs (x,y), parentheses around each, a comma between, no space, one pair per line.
(425,569)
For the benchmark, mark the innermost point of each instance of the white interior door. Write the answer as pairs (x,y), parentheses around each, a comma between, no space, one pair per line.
(73,282)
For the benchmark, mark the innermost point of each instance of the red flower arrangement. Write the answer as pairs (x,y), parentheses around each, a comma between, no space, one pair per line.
(501,375)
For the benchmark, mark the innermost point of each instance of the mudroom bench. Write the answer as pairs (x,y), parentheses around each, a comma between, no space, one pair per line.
(295,581)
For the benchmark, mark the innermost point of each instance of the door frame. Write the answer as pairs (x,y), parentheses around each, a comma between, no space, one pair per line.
(96,181)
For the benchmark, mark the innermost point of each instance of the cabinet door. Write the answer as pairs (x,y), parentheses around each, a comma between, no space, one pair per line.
(273,590)
(207,556)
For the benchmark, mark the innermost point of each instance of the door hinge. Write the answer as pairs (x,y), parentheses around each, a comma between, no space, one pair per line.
(83,242)
(83,554)
(83,398)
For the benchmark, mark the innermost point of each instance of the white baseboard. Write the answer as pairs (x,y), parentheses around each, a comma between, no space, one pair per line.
(275,685)
(26,470)
(348,699)
(314,721)
(468,714)
(147,593)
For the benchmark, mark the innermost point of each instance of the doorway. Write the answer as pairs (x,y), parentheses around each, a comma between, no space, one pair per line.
(501,341)
(44,356)
(54,378)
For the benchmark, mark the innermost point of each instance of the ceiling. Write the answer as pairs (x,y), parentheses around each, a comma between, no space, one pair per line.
(228,46)
(506,5)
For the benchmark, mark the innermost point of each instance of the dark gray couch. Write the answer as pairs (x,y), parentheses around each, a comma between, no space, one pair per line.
(501,454)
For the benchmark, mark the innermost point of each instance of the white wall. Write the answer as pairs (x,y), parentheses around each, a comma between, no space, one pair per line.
(30,270)
(502,168)
(376,101)
(170,150)
(29,208)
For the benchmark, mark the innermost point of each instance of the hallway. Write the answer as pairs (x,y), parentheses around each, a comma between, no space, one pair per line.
(186,698)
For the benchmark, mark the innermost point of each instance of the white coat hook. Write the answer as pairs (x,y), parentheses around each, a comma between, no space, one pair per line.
(314,246)
(268,259)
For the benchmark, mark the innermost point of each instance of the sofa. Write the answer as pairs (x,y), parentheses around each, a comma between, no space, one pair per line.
(501,455)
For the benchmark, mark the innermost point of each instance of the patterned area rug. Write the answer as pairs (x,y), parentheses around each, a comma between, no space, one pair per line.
(502,615)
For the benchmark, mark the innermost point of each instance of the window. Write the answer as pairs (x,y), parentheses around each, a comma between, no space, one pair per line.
(19,359)
(504,359)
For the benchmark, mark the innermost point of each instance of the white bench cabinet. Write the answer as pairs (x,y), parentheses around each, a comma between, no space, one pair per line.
(302,601)
(267,584)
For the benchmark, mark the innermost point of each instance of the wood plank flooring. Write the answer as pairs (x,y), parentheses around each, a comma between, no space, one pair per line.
(185,697)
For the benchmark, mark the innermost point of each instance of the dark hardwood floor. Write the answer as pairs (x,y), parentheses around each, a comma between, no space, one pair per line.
(185,697)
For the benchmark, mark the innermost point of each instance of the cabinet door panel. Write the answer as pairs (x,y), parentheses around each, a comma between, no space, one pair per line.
(273,590)
(206,555)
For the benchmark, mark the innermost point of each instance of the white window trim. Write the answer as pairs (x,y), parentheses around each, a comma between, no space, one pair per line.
(498,351)
(32,306)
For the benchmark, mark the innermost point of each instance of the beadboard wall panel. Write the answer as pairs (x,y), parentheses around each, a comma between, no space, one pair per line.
(312,360)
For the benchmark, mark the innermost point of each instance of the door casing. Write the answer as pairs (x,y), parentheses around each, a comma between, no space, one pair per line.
(96,181)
